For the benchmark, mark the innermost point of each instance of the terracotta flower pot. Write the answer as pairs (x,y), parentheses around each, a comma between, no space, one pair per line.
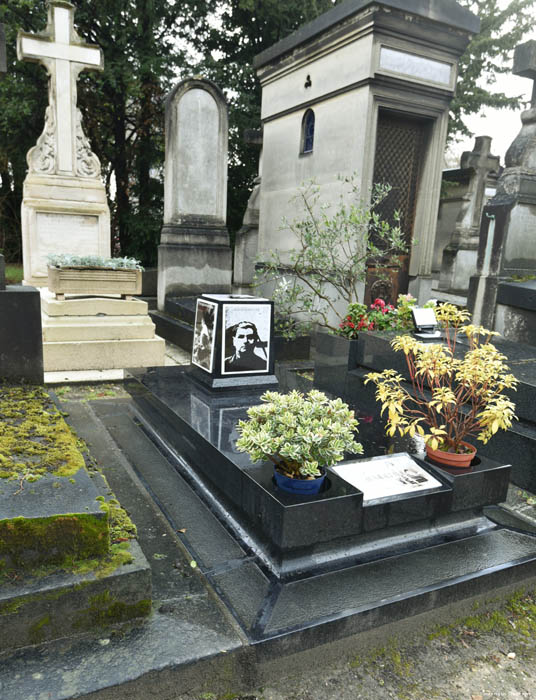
(453,459)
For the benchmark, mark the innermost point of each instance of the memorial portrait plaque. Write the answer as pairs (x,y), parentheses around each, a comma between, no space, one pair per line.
(247,335)
(233,342)
(206,315)
(385,477)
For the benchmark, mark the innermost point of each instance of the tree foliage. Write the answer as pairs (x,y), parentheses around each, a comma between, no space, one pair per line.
(488,55)
(334,245)
(122,107)
(240,30)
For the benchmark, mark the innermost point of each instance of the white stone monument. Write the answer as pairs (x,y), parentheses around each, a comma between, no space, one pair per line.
(64,210)
(194,255)
(64,207)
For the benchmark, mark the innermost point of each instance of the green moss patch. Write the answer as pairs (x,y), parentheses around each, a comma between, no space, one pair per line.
(34,438)
(105,610)
(32,541)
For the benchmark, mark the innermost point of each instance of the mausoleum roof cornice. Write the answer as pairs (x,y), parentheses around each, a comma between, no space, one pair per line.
(446,12)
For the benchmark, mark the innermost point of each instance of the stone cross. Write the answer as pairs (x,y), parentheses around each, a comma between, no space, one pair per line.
(482,162)
(62,148)
(525,64)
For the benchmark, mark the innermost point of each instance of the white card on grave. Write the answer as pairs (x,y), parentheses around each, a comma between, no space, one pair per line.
(383,477)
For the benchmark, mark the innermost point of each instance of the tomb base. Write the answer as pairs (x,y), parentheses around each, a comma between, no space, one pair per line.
(191,270)
(62,213)
(300,571)
(98,333)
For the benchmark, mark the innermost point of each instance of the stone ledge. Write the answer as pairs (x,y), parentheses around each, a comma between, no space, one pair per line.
(61,604)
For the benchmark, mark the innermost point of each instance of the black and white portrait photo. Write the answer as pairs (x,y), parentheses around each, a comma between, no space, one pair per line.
(247,338)
(204,334)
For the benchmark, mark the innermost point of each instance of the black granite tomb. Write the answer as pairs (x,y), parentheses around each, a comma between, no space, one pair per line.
(296,534)
(21,342)
(301,571)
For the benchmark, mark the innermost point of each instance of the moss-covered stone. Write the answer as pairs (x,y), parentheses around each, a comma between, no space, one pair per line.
(105,610)
(54,540)
(34,437)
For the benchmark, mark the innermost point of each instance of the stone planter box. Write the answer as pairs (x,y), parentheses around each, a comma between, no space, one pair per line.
(94,281)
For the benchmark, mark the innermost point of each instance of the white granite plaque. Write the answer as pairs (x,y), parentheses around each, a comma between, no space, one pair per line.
(383,477)
(416,66)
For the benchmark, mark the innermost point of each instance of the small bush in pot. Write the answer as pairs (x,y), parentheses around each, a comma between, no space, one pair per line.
(300,433)
(451,398)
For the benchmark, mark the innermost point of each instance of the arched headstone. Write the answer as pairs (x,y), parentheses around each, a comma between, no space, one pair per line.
(194,255)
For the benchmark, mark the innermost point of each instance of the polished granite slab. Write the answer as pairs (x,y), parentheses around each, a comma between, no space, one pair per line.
(321,593)
(291,533)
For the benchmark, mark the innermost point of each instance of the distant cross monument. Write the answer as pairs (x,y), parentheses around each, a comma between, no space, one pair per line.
(64,206)
(460,255)
(507,243)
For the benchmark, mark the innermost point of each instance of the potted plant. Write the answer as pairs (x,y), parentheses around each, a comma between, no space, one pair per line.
(93,274)
(451,398)
(301,434)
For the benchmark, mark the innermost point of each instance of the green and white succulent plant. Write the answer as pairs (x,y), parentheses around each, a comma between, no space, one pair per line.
(299,433)
(68,260)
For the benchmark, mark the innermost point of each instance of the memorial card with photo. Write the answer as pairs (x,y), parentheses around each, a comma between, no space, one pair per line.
(383,477)
(204,334)
(246,344)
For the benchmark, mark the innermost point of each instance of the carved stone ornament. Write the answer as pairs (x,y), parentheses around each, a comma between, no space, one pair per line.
(87,163)
(42,157)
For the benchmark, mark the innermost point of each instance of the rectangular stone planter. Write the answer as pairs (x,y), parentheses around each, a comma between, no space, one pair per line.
(94,281)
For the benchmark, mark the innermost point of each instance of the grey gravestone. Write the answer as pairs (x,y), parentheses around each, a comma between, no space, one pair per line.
(507,244)
(194,255)
(459,256)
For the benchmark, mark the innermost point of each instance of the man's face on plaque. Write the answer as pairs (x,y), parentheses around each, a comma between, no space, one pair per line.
(244,341)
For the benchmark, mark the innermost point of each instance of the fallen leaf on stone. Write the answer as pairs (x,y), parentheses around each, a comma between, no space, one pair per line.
(495,658)
(183,530)
(193,564)
(159,556)
(511,655)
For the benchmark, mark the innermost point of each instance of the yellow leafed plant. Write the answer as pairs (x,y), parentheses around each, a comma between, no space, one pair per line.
(451,398)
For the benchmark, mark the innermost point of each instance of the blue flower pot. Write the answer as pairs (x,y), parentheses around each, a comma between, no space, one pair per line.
(301,487)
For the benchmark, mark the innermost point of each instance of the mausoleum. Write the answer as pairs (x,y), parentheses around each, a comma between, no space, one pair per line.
(364,88)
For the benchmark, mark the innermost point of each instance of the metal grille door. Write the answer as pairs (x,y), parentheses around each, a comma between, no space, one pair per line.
(400,149)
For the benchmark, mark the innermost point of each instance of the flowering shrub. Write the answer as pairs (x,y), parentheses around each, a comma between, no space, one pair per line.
(452,398)
(380,316)
(299,433)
